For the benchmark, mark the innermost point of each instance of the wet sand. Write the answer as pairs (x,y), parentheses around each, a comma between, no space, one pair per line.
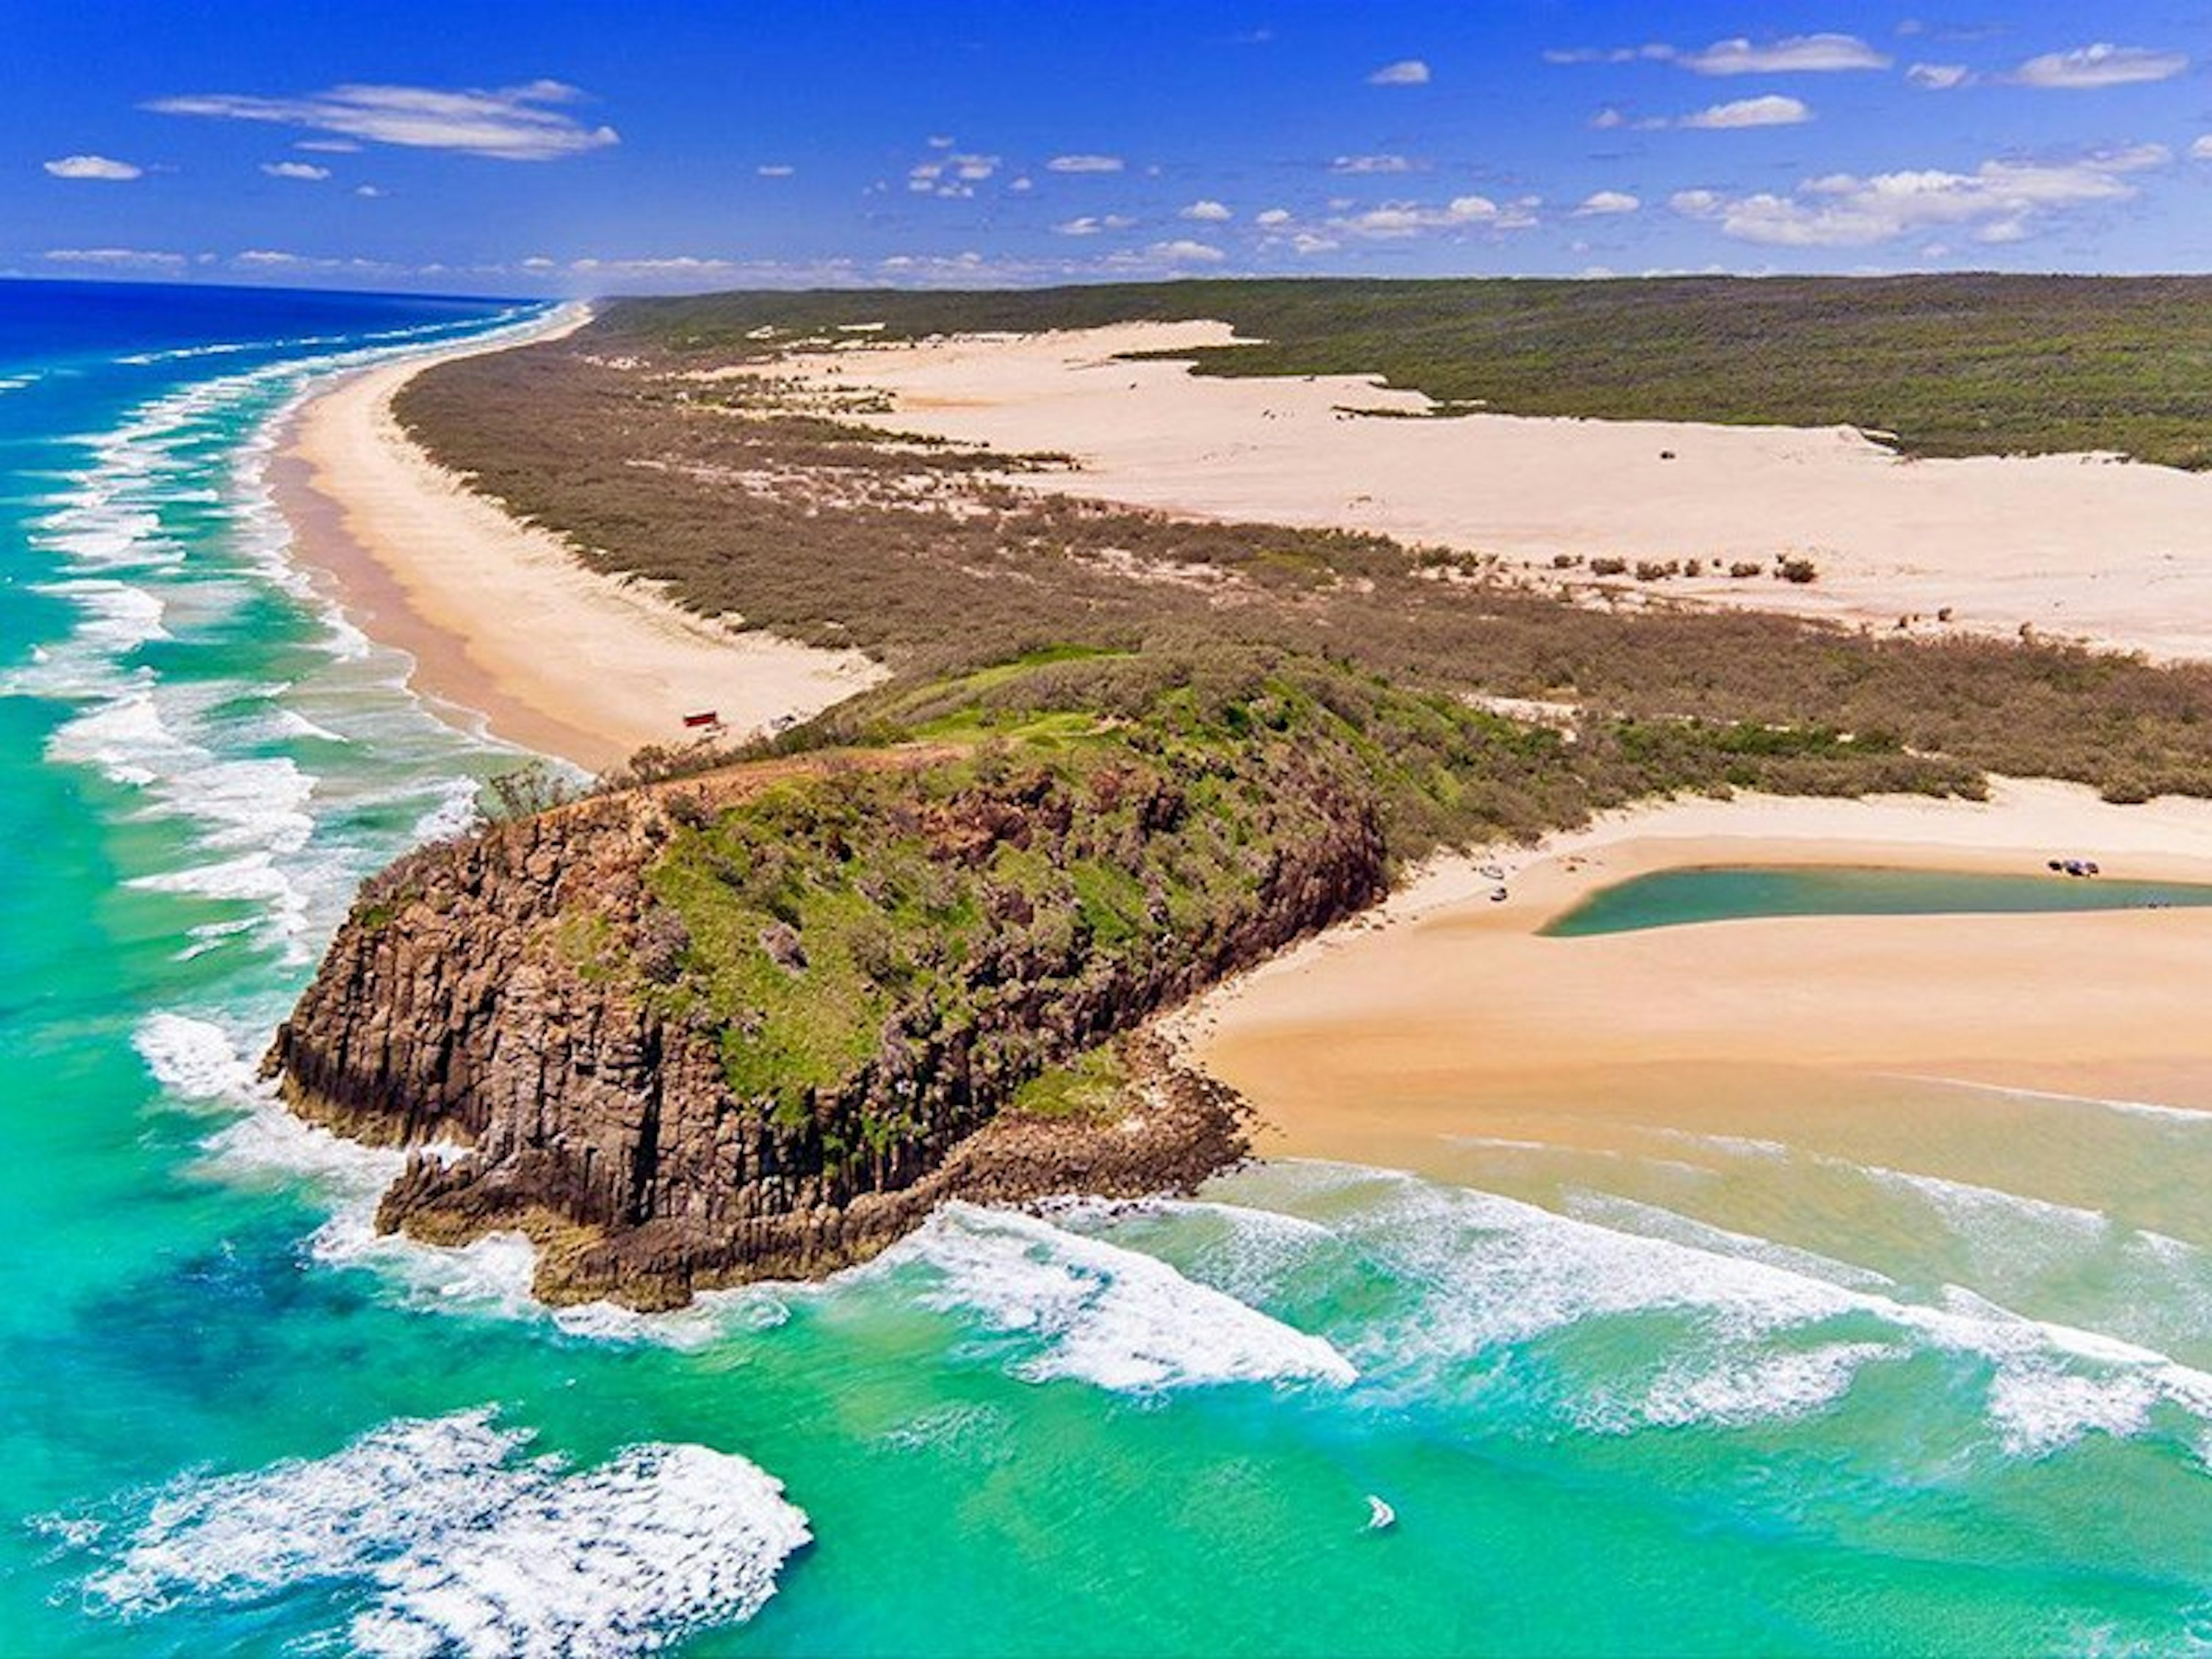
(1449,1019)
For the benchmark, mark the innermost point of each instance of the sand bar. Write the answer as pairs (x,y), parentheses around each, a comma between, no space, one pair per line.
(2077,546)
(1447,1016)
(502,621)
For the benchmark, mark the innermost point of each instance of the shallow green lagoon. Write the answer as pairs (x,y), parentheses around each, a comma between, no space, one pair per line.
(1675,898)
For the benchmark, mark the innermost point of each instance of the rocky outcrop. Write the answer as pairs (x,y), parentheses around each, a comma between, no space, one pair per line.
(501,993)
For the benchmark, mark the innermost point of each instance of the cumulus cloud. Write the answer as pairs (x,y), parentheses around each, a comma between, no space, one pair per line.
(2099,65)
(1798,54)
(1605,204)
(1939,77)
(1090,224)
(954,176)
(1794,54)
(1773,110)
(1405,72)
(1207,211)
(1084,164)
(2201,150)
(116,257)
(105,167)
(368,192)
(1395,220)
(1998,202)
(1184,252)
(1350,164)
(1655,52)
(509,124)
(1272,218)
(306,171)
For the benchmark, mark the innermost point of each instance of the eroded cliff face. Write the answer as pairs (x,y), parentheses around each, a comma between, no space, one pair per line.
(541,995)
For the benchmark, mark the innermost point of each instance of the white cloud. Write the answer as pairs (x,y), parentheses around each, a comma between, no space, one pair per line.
(119,258)
(1797,54)
(1184,252)
(776,170)
(329,146)
(1092,224)
(1405,72)
(1773,110)
(1608,118)
(1273,216)
(1998,202)
(1605,204)
(2100,65)
(941,141)
(1311,242)
(1655,52)
(1084,164)
(95,167)
(1023,186)
(1207,212)
(306,171)
(1350,164)
(511,123)
(368,192)
(2201,150)
(1939,77)
(952,176)
(1395,220)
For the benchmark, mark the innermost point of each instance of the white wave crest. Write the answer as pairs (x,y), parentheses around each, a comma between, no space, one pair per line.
(1092,1310)
(453,1542)
(1499,1272)
(194,1059)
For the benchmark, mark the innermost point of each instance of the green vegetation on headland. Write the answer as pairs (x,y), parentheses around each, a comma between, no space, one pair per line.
(1959,364)
(753,1014)
(746,1019)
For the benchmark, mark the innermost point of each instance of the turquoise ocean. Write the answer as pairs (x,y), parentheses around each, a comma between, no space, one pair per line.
(1854,1391)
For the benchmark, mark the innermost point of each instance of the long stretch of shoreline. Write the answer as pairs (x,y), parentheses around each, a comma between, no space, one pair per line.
(501,620)
(1444,1016)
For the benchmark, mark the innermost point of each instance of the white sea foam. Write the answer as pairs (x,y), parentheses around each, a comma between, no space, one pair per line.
(1081,1308)
(2189,1114)
(1501,1273)
(488,1277)
(1735,1390)
(444,1536)
(194,1059)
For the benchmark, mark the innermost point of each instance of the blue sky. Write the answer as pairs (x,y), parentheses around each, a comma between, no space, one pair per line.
(560,148)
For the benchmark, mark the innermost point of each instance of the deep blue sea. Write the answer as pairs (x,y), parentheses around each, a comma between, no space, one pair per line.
(1853,1389)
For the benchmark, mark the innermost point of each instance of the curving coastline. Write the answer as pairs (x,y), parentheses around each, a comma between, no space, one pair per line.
(504,625)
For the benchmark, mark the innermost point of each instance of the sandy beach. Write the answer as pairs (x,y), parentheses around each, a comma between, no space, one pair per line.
(504,625)
(2077,546)
(1446,1019)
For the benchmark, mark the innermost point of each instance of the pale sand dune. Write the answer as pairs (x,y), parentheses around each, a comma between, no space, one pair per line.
(501,619)
(2078,546)
(1451,1016)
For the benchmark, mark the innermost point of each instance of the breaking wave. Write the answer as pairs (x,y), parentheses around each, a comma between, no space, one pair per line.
(449,1536)
(1076,1307)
